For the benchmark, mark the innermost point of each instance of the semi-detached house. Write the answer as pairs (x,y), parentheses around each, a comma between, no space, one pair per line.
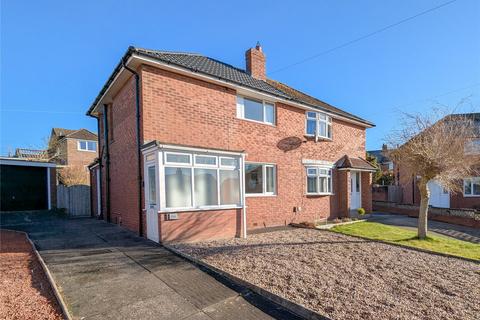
(192,148)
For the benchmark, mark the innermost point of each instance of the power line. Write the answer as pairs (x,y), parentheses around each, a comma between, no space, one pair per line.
(368,35)
(41,111)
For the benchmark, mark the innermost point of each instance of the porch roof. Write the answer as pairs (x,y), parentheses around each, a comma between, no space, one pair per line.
(351,163)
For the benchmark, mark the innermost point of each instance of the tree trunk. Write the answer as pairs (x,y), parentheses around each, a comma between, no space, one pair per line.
(423,211)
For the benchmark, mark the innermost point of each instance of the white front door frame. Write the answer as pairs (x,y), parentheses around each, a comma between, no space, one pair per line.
(151,205)
(355,190)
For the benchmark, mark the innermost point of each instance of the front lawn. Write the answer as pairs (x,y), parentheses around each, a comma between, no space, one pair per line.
(398,235)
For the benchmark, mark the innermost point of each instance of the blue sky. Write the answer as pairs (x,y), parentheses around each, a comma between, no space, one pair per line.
(56,55)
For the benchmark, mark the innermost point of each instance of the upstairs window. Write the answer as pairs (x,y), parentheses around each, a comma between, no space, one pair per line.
(318,124)
(84,145)
(319,180)
(255,110)
(471,187)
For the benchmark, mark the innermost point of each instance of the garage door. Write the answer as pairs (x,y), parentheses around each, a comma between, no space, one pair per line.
(23,188)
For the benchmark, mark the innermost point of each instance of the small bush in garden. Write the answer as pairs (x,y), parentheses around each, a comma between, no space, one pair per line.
(337,220)
(361,211)
(345,219)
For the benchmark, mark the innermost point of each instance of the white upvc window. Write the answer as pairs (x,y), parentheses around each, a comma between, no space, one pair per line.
(471,187)
(195,180)
(472,146)
(260,179)
(86,145)
(319,180)
(318,124)
(255,110)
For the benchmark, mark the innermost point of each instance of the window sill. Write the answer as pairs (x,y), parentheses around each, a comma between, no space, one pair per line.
(256,195)
(320,194)
(172,210)
(86,150)
(312,137)
(259,122)
(471,195)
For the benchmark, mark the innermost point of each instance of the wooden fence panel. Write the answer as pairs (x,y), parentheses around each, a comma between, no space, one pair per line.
(395,194)
(74,199)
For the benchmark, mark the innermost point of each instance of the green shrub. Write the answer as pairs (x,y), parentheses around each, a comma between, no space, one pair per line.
(361,211)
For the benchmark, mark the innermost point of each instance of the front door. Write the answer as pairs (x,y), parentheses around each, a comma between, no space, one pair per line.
(439,197)
(355,190)
(152,204)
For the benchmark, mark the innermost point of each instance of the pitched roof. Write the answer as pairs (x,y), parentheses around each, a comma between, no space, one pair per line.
(380,155)
(354,163)
(74,134)
(198,63)
(30,153)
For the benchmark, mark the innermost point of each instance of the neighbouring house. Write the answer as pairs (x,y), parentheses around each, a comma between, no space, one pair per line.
(27,184)
(193,148)
(384,162)
(469,198)
(72,147)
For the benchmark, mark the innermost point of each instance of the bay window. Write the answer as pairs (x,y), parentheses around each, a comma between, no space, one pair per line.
(196,180)
(318,124)
(255,110)
(260,179)
(319,180)
(471,187)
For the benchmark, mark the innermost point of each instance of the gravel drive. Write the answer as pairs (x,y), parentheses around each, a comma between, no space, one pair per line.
(25,291)
(349,278)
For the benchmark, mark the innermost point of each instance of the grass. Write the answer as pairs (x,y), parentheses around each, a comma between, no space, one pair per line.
(398,235)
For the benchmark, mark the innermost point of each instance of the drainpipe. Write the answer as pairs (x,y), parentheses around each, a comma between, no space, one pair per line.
(139,151)
(107,161)
(99,172)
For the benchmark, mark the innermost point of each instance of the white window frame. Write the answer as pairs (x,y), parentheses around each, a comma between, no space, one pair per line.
(86,145)
(192,166)
(264,192)
(317,175)
(472,146)
(328,125)
(470,195)
(241,110)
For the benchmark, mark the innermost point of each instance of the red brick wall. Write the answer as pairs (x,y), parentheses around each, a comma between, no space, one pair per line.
(77,157)
(459,201)
(366,196)
(204,225)
(206,114)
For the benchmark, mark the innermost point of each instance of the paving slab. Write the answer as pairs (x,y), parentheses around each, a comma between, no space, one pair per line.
(106,272)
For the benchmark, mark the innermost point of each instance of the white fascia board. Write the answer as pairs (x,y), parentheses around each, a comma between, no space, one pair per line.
(25,163)
(240,89)
(173,147)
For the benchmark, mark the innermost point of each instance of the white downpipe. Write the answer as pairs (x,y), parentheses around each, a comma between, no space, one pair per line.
(244,210)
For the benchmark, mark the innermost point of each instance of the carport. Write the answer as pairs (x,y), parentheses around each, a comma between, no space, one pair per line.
(27,185)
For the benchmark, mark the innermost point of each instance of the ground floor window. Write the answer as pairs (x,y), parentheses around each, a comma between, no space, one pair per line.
(195,180)
(471,187)
(319,180)
(260,179)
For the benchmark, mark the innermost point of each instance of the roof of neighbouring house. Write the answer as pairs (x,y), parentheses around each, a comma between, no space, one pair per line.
(74,134)
(30,153)
(198,63)
(355,163)
(379,155)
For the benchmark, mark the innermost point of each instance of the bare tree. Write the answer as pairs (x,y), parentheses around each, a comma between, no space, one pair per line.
(432,149)
(73,175)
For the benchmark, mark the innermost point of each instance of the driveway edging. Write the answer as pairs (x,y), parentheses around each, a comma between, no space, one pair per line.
(50,279)
(287,304)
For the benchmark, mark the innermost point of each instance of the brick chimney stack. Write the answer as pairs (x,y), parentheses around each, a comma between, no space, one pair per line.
(255,61)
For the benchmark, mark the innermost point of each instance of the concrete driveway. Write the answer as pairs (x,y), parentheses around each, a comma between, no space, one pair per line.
(446,229)
(107,272)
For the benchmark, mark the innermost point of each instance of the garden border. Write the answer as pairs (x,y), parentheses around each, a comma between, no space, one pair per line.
(295,308)
(50,279)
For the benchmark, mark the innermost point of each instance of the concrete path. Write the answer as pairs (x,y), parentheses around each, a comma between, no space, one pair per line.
(107,272)
(447,229)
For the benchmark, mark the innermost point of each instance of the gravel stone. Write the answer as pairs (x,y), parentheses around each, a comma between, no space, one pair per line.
(344,277)
(25,292)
